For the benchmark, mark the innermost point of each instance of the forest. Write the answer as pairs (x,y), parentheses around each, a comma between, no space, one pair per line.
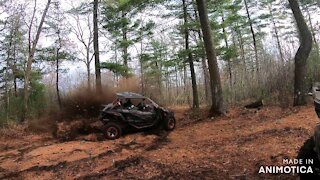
(61,60)
(163,54)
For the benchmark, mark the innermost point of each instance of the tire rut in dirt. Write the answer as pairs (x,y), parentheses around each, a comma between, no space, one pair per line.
(138,166)
(131,146)
(118,166)
(13,175)
(159,142)
(55,167)
(22,151)
(271,133)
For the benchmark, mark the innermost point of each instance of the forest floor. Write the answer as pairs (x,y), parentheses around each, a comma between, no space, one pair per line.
(230,147)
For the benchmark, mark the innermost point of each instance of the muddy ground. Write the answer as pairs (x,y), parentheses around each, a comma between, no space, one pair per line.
(232,147)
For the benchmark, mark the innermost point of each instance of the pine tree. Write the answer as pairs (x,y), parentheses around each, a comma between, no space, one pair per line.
(216,90)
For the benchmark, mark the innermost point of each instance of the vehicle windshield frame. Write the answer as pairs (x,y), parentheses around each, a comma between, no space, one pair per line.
(129,95)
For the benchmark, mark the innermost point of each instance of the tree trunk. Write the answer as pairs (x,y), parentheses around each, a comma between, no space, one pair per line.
(195,103)
(6,79)
(116,59)
(215,82)
(253,38)
(88,70)
(14,66)
(30,26)
(125,50)
(142,77)
(206,77)
(300,60)
(88,78)
(30,60)
(159,79)
(14,71)
(57,77)
(316,67)
(186,84)
(311,26)
(276,33)
(125,55)
(203,58)
(177,81)
(57,68)
(225,37)
(242,53)
(141,64)
(96,46)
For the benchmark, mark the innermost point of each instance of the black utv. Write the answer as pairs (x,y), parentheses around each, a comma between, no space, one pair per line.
(134,111)
(311,148)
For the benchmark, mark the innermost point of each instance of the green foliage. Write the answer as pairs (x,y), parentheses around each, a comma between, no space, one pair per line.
(116,68)
(314,65)
(118,18)
(49,54)
(11,111)
(82,9)
(228,21)
(121,21)
(37,99)
(13,105)
(229,53)
(156,64)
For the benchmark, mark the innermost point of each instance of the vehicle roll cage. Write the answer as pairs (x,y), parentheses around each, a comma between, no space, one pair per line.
(131,95)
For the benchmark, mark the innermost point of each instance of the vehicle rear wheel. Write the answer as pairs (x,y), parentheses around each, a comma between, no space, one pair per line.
(170,124)
(112,131)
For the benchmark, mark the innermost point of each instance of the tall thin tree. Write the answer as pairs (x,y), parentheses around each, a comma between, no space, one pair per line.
(96,46)
(254,39)
(30,60)
(195,103)
(215,82)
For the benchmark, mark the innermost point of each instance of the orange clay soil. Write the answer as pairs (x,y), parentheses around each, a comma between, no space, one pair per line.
(232,147)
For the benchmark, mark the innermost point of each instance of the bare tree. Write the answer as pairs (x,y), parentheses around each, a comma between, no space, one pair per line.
(84,34)
(31,56)
(59,31)
(96,46)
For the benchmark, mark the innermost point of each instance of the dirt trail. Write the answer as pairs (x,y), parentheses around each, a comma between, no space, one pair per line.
(230,147)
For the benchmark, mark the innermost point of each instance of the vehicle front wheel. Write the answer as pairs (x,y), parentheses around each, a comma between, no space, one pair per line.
(112,131)
(170,123)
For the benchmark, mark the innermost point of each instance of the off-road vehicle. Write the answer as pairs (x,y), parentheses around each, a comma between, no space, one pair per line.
(134,111)
(311,148)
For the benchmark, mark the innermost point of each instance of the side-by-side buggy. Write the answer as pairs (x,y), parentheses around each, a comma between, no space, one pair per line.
(132,110)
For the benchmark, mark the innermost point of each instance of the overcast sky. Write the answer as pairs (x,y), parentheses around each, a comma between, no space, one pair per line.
(77,72)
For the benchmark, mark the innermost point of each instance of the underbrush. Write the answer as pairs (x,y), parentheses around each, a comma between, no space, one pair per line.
(13,130)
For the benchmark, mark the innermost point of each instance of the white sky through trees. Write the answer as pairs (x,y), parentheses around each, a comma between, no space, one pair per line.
(76,70)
